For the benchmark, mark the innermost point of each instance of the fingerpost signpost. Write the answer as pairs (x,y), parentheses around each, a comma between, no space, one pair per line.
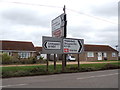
(59,44)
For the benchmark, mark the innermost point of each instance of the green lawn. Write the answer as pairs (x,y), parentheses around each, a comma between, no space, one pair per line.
(18,71)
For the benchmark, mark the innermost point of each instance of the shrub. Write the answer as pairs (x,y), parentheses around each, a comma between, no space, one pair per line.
(110,66)
(87,69)
(6,59)
(31,60)
(41,61)
(37,69)
(26,61)
(15,60)
(41,58)
(0,58)
(105,58)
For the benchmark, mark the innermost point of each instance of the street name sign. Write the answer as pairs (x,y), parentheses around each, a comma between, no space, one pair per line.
(72,46)
(51,45)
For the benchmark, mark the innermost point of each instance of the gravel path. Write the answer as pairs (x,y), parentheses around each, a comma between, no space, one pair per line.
(51,63)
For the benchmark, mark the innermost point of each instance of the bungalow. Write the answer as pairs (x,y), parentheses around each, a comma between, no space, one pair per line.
(24,50)
(93,53)
(17,48)
(98,52)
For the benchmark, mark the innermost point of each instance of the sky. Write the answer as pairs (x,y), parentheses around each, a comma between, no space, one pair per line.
(95,21)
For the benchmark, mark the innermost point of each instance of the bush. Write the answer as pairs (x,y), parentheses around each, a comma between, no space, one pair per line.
(119,58)
(105,59)
(15,60)
(37,69)
(41,58)
(0,58)
(32,60)
(26,61)
(87,69)
(6,59)
(41,61)
(110,66)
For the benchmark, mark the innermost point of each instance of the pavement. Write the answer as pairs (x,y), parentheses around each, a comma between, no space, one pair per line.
(96,79)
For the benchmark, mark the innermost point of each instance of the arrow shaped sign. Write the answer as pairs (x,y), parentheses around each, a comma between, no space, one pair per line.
(81,46)
(53,45)
(72,46)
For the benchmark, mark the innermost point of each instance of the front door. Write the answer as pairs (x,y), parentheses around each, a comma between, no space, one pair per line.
(99,55)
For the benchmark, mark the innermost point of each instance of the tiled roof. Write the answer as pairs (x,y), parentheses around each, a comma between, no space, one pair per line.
(98,48)
(28,46)
(16,45)
(38,49)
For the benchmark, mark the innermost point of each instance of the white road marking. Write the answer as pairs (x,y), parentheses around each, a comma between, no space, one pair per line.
(97,76)
(14,85)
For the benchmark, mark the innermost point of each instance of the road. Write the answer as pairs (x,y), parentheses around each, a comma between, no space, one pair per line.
(96,79)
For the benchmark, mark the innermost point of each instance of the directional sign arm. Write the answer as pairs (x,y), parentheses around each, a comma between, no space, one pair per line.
(80,46)
(45,45)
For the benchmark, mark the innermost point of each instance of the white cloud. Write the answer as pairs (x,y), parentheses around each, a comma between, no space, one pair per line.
(92,20)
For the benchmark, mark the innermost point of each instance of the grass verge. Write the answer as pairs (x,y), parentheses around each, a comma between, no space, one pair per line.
(19,71)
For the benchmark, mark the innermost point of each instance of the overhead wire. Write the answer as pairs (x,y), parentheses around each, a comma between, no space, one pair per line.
(92,16)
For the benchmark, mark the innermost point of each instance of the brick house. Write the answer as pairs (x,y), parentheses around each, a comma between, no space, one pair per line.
(18,49)
(24,50)
(92,53)
(98,52)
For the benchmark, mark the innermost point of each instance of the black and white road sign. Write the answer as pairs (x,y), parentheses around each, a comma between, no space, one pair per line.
(54,45)
(51,45)
(72,46)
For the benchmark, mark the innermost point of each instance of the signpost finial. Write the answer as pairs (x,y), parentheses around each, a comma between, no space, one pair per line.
(64,8)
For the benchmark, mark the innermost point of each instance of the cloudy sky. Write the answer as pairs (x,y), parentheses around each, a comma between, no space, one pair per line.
(95,21)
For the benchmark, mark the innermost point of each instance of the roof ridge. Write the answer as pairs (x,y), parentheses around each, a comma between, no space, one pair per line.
(96,45)
(14,41)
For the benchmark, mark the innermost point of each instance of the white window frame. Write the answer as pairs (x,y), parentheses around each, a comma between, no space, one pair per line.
(90,54)
(104,54)
(113,54)
(24,54)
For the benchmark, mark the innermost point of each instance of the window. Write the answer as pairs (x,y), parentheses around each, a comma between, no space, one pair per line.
(113,54)
(24,55)
(119,53)
(90,54)
(8,53)
(104,54)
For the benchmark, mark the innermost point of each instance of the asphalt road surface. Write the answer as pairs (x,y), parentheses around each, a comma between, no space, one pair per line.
(96,79)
